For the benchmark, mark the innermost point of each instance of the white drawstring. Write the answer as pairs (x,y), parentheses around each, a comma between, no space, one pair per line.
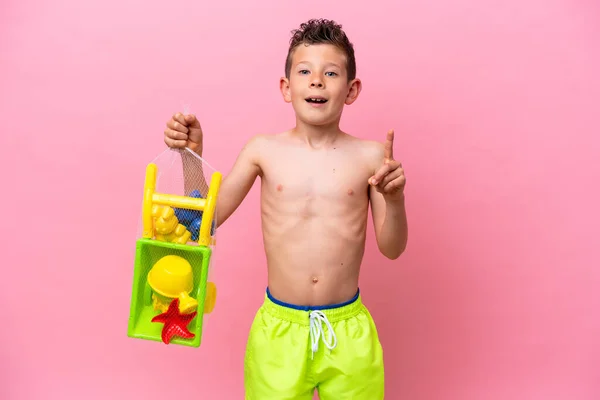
(316,331)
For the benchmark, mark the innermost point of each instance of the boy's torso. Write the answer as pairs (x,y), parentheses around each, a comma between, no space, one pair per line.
(314,205)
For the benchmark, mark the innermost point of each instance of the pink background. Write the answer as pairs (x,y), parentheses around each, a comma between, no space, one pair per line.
(493,102)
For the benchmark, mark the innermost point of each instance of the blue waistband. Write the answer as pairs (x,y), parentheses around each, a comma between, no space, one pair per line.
(312,308)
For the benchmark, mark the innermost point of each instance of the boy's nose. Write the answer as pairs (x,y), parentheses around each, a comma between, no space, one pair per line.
(316,84)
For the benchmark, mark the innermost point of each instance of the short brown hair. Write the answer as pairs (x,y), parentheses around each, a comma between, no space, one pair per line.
(322,31)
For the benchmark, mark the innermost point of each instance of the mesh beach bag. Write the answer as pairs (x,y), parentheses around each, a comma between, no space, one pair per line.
(172,289)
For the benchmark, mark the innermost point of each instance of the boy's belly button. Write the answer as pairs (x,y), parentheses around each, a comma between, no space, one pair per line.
(315,279)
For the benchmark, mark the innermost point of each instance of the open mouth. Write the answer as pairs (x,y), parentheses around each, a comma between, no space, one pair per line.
(316,100)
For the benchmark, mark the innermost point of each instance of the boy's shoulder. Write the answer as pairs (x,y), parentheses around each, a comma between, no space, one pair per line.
(371,151)
(263,142)
(260,147)
(366,145)
(262,139)
(257,144)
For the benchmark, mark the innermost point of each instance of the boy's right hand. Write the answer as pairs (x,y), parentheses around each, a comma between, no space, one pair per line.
(184,131)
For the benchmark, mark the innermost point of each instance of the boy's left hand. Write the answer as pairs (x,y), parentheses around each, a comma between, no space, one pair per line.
(389,180)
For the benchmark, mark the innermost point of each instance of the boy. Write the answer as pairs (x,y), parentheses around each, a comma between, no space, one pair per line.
(312,331)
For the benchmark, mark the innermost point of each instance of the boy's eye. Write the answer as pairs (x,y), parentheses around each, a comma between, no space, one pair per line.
(330,74)
(303,71)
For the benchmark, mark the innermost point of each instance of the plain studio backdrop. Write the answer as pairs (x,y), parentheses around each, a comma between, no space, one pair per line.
(496,110)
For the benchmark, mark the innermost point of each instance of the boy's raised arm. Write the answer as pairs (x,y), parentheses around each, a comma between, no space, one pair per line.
(387,201)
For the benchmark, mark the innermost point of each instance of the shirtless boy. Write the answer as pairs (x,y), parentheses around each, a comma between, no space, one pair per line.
(317,183)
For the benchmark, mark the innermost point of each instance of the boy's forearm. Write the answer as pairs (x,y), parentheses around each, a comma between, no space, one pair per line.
(194,179)
(394,230)
(233,189)
(193,175)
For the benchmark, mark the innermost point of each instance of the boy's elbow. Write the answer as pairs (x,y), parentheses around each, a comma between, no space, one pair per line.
(392,253)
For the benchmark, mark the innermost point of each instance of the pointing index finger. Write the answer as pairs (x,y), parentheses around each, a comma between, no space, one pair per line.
(389,146)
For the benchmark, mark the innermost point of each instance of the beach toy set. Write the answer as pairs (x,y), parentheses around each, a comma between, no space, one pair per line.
(172,292)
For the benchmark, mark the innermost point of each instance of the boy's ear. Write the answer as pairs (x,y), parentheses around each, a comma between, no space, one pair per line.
(284,86)
(354,91)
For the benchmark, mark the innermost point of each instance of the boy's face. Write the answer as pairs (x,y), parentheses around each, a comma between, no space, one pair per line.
(318,85)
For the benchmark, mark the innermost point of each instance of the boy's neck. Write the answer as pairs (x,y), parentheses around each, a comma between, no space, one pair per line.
(317,136)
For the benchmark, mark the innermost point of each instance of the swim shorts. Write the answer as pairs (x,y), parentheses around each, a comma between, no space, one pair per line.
(293,350)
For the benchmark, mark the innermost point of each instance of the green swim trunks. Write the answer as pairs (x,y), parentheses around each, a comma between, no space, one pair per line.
(293,350)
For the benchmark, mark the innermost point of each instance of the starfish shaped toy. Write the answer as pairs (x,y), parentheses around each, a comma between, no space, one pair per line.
(175,322)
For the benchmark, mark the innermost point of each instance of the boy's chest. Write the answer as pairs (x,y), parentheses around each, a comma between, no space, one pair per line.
(332,176)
